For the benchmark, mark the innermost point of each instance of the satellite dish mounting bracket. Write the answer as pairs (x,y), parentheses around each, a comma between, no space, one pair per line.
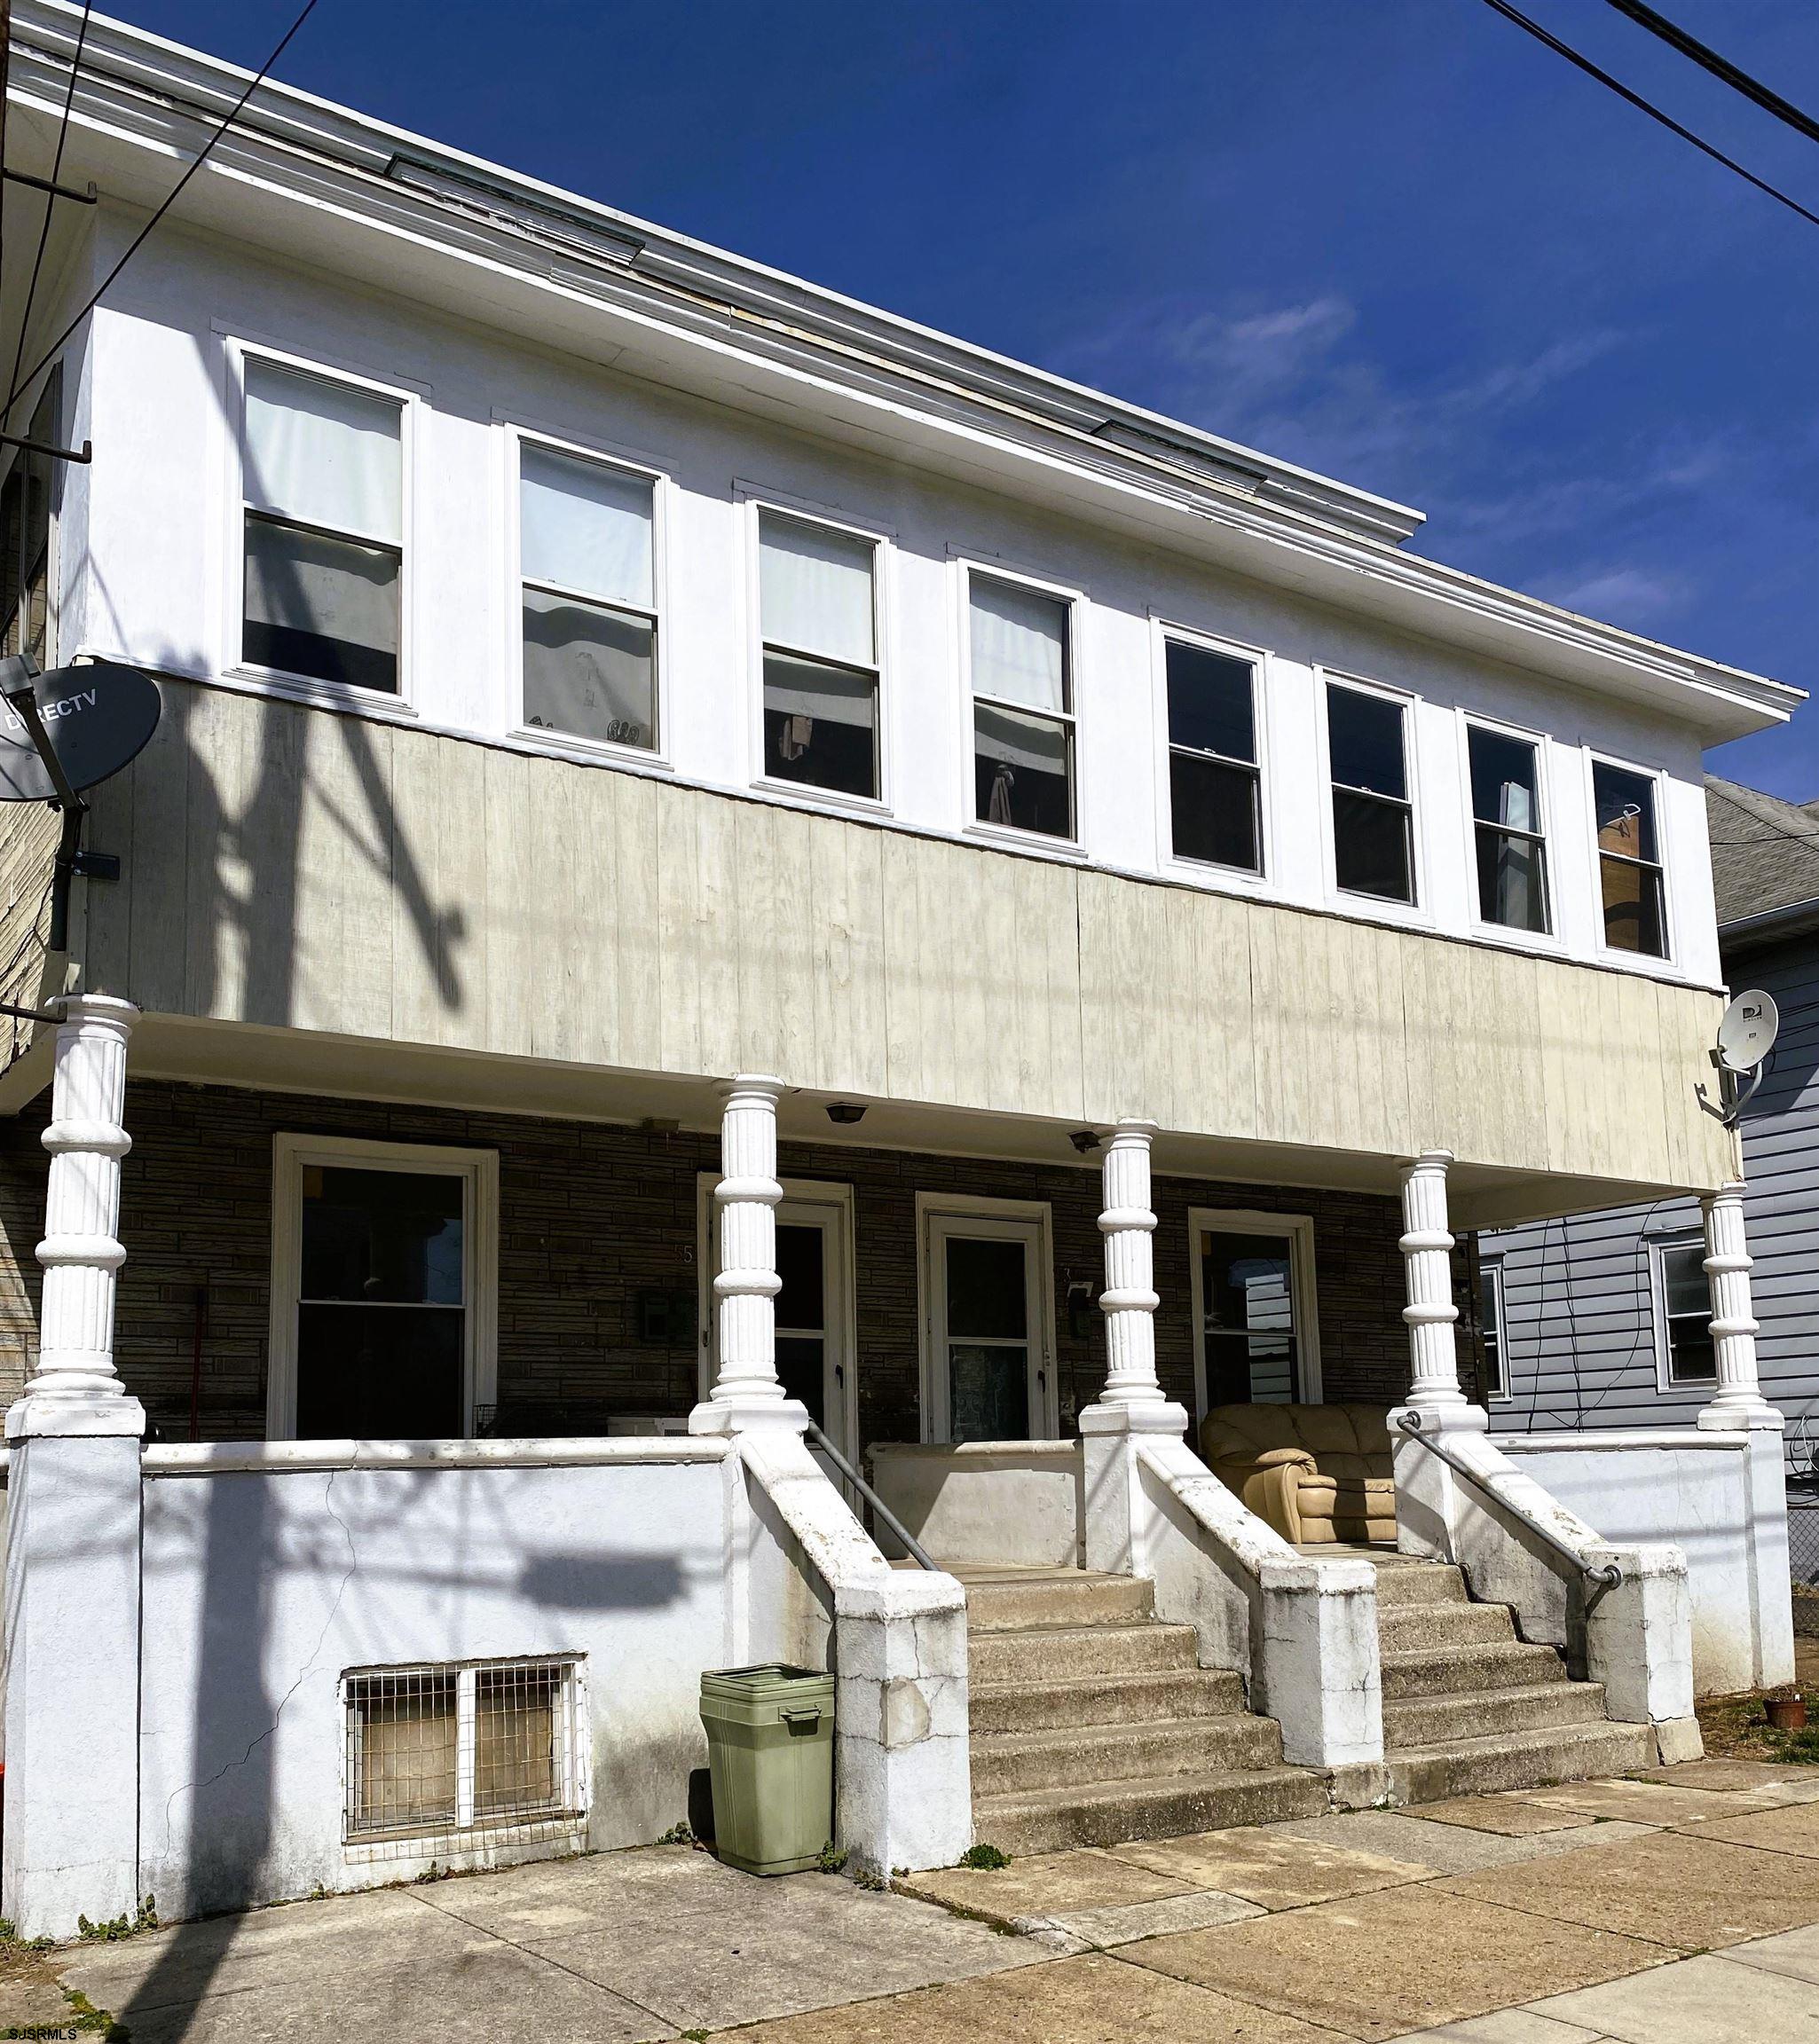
(1736,1090)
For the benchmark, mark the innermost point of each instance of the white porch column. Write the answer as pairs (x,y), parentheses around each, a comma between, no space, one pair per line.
(745,1390)
(1737,1401)
(1430,1314)
(73,1521)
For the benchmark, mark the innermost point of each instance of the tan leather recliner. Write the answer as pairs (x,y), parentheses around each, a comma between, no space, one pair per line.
(1316,1473)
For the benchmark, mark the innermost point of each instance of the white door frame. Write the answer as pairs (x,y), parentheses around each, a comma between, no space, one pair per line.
(1298,1230)
(806,1202)
(941,1213)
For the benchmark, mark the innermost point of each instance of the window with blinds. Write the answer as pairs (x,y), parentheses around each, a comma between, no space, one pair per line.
(818,611)
(1022,707)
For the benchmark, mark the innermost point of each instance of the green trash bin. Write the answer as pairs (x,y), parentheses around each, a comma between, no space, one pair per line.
(770,1750)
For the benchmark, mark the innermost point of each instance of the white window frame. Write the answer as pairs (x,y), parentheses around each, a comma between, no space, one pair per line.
(479,1170)
(1420,911)
(1298,1230)
(1490,1271)
(1666,1383)
(1074,601)
(1202,872)
(833,1200)
(1635,961)
(277,681)
(753,503)
(934,1209)
(518,434)
(1553,939)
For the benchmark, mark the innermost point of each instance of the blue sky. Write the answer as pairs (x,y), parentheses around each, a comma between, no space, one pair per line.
(1394,240)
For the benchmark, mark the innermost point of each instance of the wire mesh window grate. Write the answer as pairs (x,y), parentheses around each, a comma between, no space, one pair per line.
(442,1752)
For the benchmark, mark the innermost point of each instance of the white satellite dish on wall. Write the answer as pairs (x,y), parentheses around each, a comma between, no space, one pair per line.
(1747,1032)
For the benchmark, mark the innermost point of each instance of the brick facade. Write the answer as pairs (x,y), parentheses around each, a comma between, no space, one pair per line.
(592,1214)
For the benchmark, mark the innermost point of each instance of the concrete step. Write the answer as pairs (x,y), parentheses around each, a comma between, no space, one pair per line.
(1408,1625)
(1017,1603)
(1053,1654)
(1400,1583)
(1104,1700)
(1012,1763)
(1052,1819)
(1516,1760)
(1434,1720)
(1466,1670)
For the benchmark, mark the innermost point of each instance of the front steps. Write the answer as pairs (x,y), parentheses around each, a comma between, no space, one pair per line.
(1093,1723)
(1469,1709)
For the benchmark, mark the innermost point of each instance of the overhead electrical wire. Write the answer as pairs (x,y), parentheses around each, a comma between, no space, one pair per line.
(1708,60)
(1646,107)
(25,318)
(20,385)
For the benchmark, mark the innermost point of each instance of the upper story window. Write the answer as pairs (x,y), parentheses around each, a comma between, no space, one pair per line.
(1022,707)
(322,484)
(1512,850)
(1629,861)
(1214,792)
(24,540)
(1373,816)
(589,598)
(817,602)
(1683,1346)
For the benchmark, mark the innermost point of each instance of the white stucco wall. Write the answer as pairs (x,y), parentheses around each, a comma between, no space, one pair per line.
(162,549)
(262,1587)
(1013,1503)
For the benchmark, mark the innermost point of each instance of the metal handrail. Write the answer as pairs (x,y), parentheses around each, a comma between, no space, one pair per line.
(1607,1574)
(917,1554)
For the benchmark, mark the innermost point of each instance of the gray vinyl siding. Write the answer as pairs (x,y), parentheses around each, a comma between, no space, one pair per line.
(1579,1332)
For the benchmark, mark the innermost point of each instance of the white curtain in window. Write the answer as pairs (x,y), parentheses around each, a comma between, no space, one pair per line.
(585,528)
(796,689)
(1019,645)
(1516,805)
(323,454)
(815,588)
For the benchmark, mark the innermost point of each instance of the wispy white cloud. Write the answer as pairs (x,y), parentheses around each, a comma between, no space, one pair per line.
(1630,597)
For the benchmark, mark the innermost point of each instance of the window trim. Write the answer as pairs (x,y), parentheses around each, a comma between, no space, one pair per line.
(1491,1272)
(518,435)
(754,502)
(1657,778)
(1074,602)
(1420,911)
(1551,940)
(478,1169)
(1666,1384)
(280,680)
(1304,1290)
(932,1207)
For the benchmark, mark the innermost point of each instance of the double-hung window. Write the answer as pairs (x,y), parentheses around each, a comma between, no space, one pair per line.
(25,540)
(1022,707)
(1373,816)
(1683,1345)
(817,600)
(323,489)
(589,598)
(1512,849)
(1214,792)
(1491,1327)
(1629,861)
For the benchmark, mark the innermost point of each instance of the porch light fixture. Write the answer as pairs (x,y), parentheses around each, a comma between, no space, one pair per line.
(1085,1140)
(845,1111)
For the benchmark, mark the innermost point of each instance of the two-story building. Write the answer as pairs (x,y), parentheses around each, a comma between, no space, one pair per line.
(712,851)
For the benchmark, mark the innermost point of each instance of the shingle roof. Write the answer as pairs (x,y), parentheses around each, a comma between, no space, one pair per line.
(1765,852)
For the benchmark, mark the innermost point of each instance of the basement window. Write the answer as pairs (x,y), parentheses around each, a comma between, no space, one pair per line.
(443,1752)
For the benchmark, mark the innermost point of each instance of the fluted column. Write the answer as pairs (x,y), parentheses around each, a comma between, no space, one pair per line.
(1738,1400)
(1430,1313)
(74,1389)
(745,1390)
(1128,1300)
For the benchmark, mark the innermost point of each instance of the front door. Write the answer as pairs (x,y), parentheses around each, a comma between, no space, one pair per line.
(986,1282)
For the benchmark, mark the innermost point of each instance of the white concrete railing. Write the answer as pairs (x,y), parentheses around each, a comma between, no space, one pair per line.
(1304,1629)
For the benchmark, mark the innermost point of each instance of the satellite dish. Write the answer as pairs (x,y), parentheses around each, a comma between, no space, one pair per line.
(99,717)
(1746,1033)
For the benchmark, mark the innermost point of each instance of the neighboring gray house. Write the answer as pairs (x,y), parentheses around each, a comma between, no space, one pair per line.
(1600,1321)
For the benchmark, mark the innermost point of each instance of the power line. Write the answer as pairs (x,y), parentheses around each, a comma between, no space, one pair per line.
(1647,107)
(19,386)
(1708,60)
(25,318)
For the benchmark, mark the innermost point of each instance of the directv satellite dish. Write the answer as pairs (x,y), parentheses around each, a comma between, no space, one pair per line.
(1746,1034)
(98,718)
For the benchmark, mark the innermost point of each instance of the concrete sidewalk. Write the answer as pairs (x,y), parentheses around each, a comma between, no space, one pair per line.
(1681,1909)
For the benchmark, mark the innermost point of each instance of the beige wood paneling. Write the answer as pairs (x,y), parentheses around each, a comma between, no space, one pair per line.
(289,867)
